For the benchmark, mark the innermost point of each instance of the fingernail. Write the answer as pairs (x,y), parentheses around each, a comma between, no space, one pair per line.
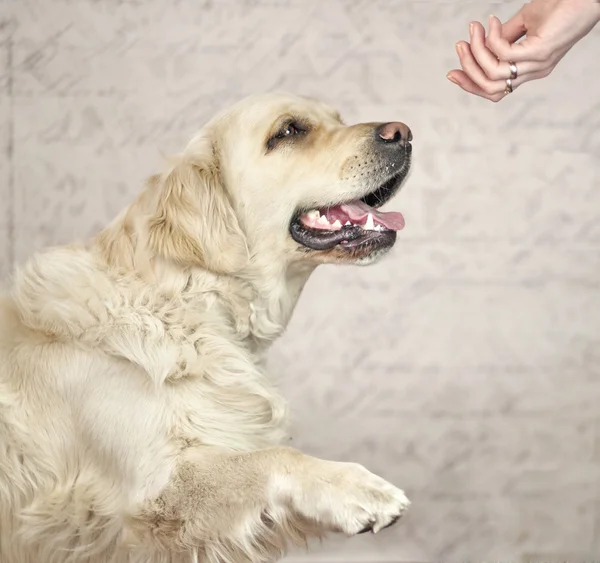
(451,78)
(471,28)
(491,18)
(458,48)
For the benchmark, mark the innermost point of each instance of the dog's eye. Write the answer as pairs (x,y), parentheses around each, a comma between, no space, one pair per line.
(290,130)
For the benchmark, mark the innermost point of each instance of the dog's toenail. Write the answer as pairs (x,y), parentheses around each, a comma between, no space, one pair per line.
(367,528)
(393,521)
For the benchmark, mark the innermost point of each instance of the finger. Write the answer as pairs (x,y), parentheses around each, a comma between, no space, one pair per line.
(478,76)
(528,49)
(491,66)
(461,79)
(529,78)
(472,69)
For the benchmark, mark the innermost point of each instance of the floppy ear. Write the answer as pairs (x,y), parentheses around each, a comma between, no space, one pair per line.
(193,222)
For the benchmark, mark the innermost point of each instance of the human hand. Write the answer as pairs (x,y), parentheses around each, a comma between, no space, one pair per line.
(550,27)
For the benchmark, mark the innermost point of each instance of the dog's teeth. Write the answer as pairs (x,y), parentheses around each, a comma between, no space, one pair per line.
(313,214)
(336,224)
(347,223)
(369,225)
(322,220)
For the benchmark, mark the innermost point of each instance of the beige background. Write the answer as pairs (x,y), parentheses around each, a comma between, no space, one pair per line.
(466,367)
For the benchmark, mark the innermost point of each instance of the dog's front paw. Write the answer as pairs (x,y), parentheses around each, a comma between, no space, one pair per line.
(363,501)
(350,499)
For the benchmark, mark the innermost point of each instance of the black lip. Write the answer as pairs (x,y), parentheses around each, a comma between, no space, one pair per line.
(317,239)
(348,238)
(351,237)
(374,239)
(387,190)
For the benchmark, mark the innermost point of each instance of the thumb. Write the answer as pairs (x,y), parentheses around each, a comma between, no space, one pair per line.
(513,29)
(501,38)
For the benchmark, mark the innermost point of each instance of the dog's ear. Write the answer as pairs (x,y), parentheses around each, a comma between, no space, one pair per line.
(193,222)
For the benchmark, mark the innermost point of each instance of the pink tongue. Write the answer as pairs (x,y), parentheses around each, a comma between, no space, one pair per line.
(357,211)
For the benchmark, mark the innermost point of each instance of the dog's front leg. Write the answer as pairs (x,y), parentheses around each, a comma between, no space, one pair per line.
(247,506)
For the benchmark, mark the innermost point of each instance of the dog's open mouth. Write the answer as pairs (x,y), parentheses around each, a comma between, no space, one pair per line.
(353,224)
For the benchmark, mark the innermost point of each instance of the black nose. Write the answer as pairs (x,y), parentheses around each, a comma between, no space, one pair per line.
(394,133)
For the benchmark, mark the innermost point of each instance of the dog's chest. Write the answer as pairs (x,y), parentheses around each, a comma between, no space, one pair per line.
(216,386)
(240,415)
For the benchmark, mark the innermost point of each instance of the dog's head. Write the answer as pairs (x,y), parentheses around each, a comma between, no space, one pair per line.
(281,178)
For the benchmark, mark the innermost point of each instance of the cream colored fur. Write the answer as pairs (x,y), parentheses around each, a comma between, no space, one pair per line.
(137,422)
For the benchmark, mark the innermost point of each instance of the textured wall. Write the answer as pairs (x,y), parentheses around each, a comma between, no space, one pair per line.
(466,367)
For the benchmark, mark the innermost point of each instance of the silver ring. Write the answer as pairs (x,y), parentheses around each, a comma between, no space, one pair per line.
(509,86)
(513,70)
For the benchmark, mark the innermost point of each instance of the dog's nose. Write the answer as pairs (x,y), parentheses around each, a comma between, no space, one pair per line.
(394,132)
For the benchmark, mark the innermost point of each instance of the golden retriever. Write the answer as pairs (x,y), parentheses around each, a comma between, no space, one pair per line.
(137,422)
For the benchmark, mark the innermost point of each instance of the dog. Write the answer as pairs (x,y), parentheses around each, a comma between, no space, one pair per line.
(137,422)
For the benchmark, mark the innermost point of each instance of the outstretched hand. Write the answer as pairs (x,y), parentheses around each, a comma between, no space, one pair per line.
(548,29)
